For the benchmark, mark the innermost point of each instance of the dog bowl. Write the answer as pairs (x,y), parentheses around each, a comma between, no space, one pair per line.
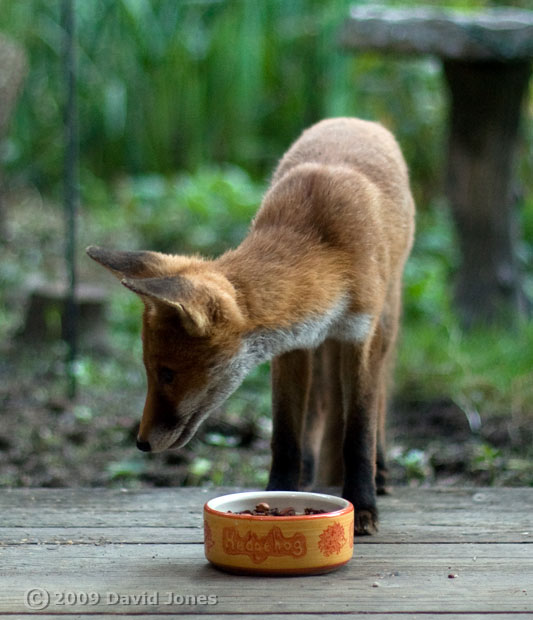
(278,545)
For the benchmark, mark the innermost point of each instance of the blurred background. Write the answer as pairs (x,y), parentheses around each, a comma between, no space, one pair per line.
(184,108)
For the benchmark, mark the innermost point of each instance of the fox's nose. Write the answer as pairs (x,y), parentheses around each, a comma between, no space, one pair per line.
(143,445)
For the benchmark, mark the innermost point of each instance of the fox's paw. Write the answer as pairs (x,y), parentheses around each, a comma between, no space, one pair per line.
(365,522)
(363,499)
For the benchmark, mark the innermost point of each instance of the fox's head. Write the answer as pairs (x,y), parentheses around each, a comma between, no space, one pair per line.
(193,347)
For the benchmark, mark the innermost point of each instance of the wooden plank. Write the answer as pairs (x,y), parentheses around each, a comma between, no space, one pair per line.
(410,579)
(297,616)
(187,498)
(101,535)
(99,516)
(139,500)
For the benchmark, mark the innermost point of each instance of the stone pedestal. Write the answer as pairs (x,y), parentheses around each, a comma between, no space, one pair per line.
(486,58)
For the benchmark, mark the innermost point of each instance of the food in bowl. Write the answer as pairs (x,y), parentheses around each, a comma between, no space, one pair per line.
(264,510)
(239,541)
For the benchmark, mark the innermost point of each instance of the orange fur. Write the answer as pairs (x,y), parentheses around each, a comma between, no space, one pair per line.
(319,270)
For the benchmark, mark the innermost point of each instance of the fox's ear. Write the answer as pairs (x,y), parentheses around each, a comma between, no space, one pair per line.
(130,264)
(194,306)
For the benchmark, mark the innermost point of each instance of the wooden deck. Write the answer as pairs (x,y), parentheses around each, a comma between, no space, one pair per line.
(106,553)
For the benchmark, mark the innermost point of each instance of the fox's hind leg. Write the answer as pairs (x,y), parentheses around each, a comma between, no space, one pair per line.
(291,383)
(324,425)
(313,428)
(389,325)
(381,458)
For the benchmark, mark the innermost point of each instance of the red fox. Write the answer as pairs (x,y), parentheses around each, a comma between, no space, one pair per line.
(315,287)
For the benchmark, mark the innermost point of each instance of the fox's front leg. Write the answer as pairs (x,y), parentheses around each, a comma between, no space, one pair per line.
(360,396)
(291,381)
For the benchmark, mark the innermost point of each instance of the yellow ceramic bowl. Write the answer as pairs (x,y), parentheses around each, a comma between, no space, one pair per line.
(301,544)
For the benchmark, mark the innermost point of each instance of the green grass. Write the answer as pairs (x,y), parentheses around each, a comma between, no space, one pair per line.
(487,369)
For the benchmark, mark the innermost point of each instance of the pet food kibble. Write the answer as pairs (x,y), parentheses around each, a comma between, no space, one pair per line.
(287,512)
(263,510)
(314,511)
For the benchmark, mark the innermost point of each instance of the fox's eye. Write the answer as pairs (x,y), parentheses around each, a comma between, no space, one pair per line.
(166,375)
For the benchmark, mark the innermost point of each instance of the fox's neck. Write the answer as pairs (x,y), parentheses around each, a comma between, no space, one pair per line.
(289,287)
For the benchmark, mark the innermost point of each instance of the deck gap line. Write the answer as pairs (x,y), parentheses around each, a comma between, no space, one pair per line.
(96,614)
(142,542)
(102,527)
(92,543)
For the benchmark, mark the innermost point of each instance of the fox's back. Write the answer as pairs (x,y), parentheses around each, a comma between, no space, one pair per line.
(362,146)
(345,181)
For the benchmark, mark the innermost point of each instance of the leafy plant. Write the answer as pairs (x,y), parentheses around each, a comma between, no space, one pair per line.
(414,462)
(164,85)
(129,468)
(487,459)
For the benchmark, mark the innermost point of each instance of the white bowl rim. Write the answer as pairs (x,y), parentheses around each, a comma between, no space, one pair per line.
(220,506)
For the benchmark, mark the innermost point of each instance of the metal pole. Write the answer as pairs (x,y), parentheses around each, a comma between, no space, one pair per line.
(70,191)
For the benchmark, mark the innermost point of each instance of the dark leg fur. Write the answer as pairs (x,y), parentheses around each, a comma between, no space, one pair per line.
(359,486)
(291,379)
(301,386)
(381,471)
(361,404)
(307,470)
(315,417)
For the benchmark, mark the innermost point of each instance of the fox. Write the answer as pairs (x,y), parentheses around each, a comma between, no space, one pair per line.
(315,288)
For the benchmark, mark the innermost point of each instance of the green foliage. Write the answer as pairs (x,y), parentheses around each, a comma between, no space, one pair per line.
(486,369)
(229,467)
(165,85)
(207,212)
(128,468)
(487,459)
(415,465)
(191,86)
(429,268)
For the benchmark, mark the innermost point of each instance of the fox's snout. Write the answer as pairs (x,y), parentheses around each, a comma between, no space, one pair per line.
(144,446)
(168,426)
(155,434)
(157,439)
